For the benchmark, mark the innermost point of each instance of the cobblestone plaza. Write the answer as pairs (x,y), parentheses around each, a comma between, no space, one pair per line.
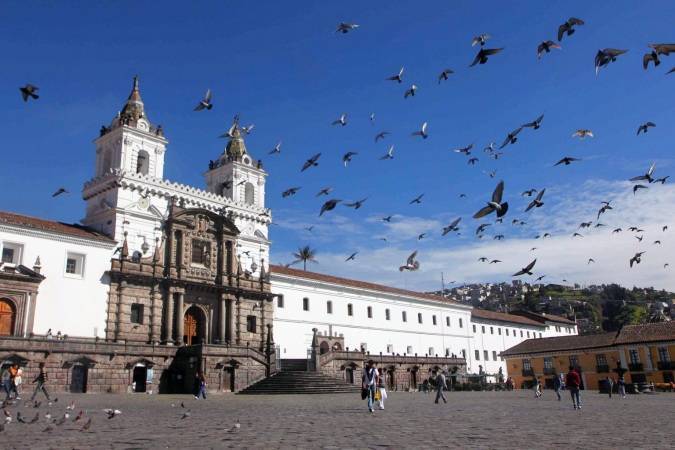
(410,420)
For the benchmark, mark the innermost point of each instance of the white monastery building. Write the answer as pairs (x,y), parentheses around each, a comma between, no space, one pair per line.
(128,203)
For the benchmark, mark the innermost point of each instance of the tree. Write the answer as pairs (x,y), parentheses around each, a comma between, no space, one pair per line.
(305,254)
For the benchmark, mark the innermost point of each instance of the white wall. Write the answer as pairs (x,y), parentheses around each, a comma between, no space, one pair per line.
(74,305)
(293,326)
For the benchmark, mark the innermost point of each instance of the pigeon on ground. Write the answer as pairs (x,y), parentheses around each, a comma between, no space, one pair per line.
(86,425)
(205,103)
(411,263)
(111,413)
(526,270)
(568,27)
(495,204)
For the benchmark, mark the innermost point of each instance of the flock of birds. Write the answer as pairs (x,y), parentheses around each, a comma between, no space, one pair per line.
(82,420)
(496,204)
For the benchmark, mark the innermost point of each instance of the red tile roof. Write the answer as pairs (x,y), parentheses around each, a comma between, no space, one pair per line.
(648,332)
(561,343)
(503,317)
(544,317)
(281,270)
(52,226)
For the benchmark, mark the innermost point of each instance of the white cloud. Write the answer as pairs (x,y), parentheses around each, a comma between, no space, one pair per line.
(560,256)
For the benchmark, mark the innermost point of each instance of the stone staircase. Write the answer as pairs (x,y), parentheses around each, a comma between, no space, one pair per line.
(294,379)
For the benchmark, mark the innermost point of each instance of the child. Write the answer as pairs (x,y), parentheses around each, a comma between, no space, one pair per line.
(383,392)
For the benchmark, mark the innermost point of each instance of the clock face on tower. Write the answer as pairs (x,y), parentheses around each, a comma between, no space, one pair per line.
(144,203)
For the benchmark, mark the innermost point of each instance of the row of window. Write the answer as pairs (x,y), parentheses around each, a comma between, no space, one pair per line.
(369,312)
(12,253)
(486,355)
(507,332)
(409,350)
(558,328)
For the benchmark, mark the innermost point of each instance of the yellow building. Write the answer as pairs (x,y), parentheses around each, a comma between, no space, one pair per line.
(643,353)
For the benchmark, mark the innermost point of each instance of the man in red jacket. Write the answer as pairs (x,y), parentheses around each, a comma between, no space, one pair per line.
(573,382)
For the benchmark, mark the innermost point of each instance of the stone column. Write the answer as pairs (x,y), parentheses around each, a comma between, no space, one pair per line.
(178,338)
(229,336)
(155,315)
(262,325)
(168,319)
(118,311)
(238,320)
(222,318)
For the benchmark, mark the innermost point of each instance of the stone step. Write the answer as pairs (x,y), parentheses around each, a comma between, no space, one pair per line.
(300,383)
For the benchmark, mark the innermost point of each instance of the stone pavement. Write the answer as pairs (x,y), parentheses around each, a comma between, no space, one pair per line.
(469,420)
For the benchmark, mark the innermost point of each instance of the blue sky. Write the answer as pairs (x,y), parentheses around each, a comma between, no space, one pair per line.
(284,69)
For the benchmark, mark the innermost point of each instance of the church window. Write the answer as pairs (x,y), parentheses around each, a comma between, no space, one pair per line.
(387,314)
(528,334)
(474,328)
(521,333)
(329,307)
(482,329)
(486,355)
(507,331)
(447,321)
(136,313)
(370,312)
(11,253)
(492,330)
(305,304)
(419,317)
(143,162)
(249,192)
(201,252)
(404,316)
(390,348)
(433,319)
(409,350)
(75,264)
(494,355)
(431,351)
(106,162)
(350,309)
(461,323)
(477,354)
(464,353)
(250,324)
(280,301)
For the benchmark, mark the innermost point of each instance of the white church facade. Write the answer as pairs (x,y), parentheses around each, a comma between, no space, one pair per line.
(158,266)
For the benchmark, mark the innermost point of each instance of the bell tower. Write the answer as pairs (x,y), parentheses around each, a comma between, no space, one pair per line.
(235,175)
(130,148)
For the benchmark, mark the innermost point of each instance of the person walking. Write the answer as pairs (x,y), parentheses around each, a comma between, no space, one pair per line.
(5,380)
(622,386)
(18,380)
(41,380)
(201,385)
(383,391)
(13,372)
(557,385)
(537,388)
(610,386)
(573,383)
(369,382)
(440,385)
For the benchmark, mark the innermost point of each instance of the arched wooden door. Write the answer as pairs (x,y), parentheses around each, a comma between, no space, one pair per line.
(7,317)
(193,326)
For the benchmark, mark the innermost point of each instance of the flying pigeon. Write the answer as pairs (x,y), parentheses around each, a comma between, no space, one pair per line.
(639,186)
(645,127)
(276,149)
(381,135)
(410,92)
(411,263)
(60,191)
(606,56)
(345,28)
(417,199)
(536,203)
(325,191)
(647,176)
(657,49)
(329,206)
(482,55)
(205,103)
(347,157)
(398,77)
(29,91)
(636,259)
(480,39)
(582,133)
(389,154)
(465,150)
(422,132)
(342,120)
(451,227)
(352,257)
(545,47)
(568,27)
(567,160)
(444,75)
(311,162)
(357,204)
(535,124)
(511,138)
(526,270)
(495,204)
(290,191)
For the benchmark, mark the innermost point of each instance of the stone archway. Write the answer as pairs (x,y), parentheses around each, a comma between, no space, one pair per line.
(7,317)
(323,347)
(194,326)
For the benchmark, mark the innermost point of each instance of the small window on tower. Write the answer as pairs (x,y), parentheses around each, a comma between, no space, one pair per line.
(136,313)
(249,194)
(250,324)
(143,162)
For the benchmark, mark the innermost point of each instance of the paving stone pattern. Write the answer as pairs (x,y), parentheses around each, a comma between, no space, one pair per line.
(411,420)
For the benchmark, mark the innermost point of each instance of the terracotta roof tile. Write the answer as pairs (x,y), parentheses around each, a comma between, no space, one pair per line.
(52,226)
(281,270)
(503,317)
(561,343)
(648,332)
(544,317)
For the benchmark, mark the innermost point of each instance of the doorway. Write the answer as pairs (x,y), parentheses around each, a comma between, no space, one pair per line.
(391,383)
(349,375)
(7,317)
(78,379)
(228,379)
(413,378)
(193,326)
(140,376)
